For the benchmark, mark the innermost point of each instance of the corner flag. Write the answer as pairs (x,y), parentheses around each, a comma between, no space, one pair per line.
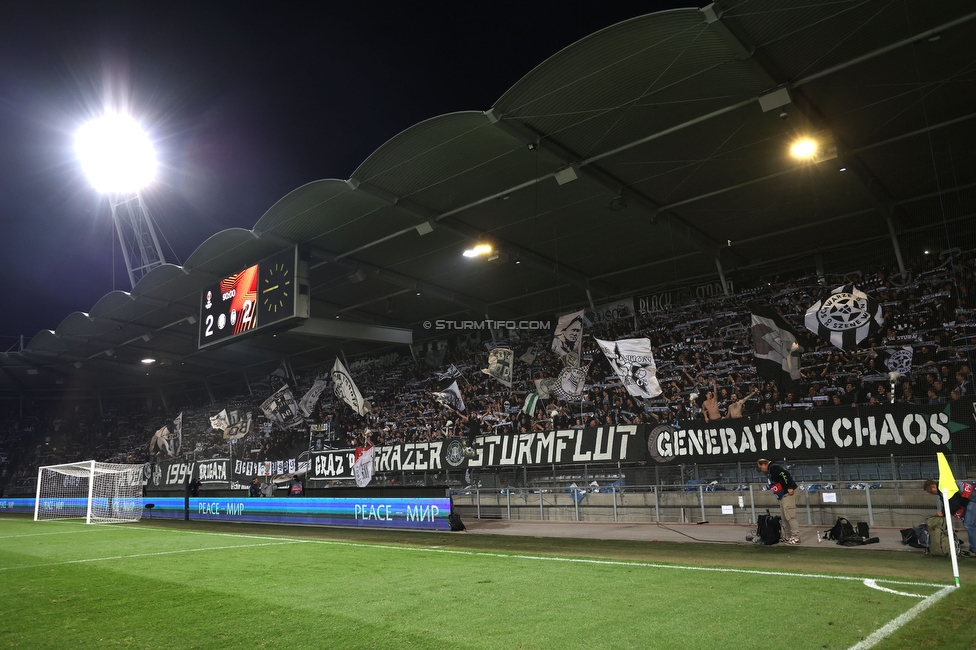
(947,483)
(948,487)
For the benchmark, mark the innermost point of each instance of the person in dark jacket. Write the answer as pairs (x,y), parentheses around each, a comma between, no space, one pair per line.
(960,506)
(295,487)
(782,484)
(255,489)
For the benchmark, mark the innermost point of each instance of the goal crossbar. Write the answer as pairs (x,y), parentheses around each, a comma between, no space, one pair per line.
(90,490)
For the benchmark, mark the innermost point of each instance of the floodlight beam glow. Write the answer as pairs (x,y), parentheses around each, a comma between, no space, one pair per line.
(116,154)
(480,249)
(804,148)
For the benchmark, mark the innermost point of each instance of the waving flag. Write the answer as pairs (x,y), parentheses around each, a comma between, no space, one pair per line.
(633,362)
(220,421)
(898,360)
(282,408)
(845,318)
(160,440)
(568,337)
(531,401)
(311,398)
(500,363)
(176,438)
(452,372)
(346,390)
(775,346)
(450,397)
(362,467)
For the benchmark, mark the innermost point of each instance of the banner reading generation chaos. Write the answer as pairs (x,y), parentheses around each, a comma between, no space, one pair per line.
(849,432)
(797,434)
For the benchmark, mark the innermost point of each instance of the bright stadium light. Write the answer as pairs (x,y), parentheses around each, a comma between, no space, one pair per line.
(816,148)
(803,149)
(116,154)
(119,160)
(480,249)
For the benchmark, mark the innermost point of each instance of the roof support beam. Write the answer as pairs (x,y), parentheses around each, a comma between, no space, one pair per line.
(526,135)
(404,281)
(424,214)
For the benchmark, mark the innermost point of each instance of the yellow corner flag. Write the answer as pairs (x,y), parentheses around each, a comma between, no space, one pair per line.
(947,483)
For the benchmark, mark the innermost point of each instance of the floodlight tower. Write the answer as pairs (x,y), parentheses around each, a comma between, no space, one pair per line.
(119,159)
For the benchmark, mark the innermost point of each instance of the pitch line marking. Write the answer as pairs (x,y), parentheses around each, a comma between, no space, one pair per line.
(874,585)
(140,555)
(654,565)
(892,626)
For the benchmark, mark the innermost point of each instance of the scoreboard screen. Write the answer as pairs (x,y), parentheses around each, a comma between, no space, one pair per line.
(264,294)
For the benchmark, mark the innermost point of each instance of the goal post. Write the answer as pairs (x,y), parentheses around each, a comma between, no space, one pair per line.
(99,493)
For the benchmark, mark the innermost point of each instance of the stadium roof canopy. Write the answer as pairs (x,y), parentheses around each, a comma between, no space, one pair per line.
(649,155)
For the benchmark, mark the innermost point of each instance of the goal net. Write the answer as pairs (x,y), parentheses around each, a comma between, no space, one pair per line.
(99,493)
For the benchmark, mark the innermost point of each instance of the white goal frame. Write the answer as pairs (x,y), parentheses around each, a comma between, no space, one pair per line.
(99,493)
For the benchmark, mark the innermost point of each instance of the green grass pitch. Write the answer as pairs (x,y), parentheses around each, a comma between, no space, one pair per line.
(184,585)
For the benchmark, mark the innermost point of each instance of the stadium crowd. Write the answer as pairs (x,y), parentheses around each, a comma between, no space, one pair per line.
(697,345)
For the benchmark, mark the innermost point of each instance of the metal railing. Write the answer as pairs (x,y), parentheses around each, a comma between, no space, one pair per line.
(888,504)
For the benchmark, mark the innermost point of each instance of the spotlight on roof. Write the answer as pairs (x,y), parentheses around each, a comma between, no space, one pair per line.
(803,149)
(148,360)
(477,251)
(817,148)
(116,154)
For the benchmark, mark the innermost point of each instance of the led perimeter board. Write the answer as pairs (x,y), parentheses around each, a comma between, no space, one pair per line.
(271,292)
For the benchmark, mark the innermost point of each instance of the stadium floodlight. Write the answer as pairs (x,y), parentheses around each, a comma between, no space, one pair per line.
(119,160)
(99,493)
(480,249)
(116,154)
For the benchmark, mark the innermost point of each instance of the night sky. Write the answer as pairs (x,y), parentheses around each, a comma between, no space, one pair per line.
(245,101)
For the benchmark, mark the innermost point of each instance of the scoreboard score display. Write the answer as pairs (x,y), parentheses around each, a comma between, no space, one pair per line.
(271,292)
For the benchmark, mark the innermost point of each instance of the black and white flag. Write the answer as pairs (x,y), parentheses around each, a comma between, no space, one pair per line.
(633,362)
(346,390)
(450,397)
(775,345)
(160,441)
(362,467)
(239,426)
(567,338)
(452,372)
(311,398)
(176,436)
(220,421)
(570,383)
(528,357)
(845,318)
(500,362)
(898,360)
(282,408)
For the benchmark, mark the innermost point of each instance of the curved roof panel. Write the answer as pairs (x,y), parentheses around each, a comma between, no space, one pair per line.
(636,159)
(229,251)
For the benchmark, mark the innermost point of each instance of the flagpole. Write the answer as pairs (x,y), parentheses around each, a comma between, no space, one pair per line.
(947,486)
(952,535)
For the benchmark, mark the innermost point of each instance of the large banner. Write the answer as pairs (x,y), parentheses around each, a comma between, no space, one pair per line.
(842,432)
(333,464)
(795,434)
(173,476)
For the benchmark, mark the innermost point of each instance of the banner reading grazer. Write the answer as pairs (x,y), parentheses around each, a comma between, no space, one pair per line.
(898,429)
(862,432)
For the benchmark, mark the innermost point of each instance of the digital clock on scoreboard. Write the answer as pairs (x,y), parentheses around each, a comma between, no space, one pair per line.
(268,293)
